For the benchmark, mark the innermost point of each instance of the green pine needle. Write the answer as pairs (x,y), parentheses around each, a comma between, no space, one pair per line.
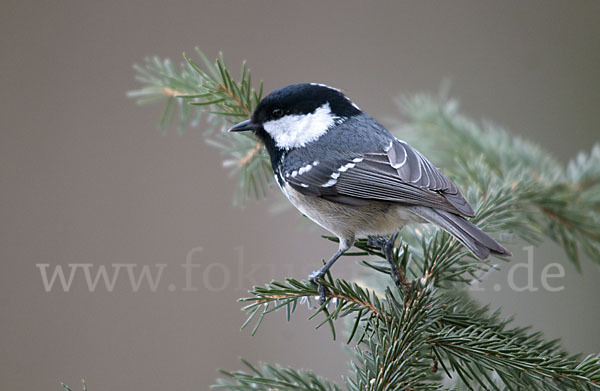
(427,332)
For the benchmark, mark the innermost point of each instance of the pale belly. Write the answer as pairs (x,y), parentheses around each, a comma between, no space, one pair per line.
(349,222)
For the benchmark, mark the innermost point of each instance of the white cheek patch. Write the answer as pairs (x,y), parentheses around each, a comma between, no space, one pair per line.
(294,131)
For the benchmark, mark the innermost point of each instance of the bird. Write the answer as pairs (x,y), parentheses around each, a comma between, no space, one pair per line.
(346,172)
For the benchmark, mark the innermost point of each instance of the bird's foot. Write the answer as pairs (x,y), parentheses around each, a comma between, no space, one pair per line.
(377,241)
(386,245)
(317,277)
(387,249)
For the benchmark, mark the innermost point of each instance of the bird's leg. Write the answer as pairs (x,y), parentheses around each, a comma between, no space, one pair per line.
(318,274)
(388,251)
(387,248)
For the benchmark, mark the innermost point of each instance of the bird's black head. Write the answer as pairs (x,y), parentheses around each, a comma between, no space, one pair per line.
(293,116)
(303,99)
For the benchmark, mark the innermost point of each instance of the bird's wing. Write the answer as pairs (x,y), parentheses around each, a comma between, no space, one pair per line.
(397,173)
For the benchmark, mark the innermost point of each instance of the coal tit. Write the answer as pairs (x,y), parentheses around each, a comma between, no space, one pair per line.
(347,173)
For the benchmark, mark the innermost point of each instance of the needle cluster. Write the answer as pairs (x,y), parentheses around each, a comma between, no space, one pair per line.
(426,334)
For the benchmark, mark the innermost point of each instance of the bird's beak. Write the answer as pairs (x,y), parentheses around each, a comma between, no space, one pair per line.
(244,126)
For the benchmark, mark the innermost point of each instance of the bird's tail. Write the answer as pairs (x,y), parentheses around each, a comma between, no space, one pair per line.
(477,241)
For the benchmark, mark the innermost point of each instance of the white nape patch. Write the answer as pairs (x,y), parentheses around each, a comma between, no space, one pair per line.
(352,103)
(294,131)
(326,86)
(338,90)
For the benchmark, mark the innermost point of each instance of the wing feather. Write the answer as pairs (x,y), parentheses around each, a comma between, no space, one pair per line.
(398,173)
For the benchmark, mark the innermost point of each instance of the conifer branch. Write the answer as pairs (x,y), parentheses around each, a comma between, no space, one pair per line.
(557,202)
(413,341)
(191,90)
(269,378)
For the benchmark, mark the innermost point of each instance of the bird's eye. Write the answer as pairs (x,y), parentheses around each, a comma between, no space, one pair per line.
(277,113)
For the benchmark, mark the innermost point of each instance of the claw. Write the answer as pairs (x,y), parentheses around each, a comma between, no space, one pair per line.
(387,248)
(315,277)
(376,241)
(321,290)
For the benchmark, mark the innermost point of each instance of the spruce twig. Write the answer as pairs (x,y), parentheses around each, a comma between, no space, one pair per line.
(414,341)
(191,90)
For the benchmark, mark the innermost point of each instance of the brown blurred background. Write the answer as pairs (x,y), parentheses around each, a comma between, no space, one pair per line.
(86,177)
